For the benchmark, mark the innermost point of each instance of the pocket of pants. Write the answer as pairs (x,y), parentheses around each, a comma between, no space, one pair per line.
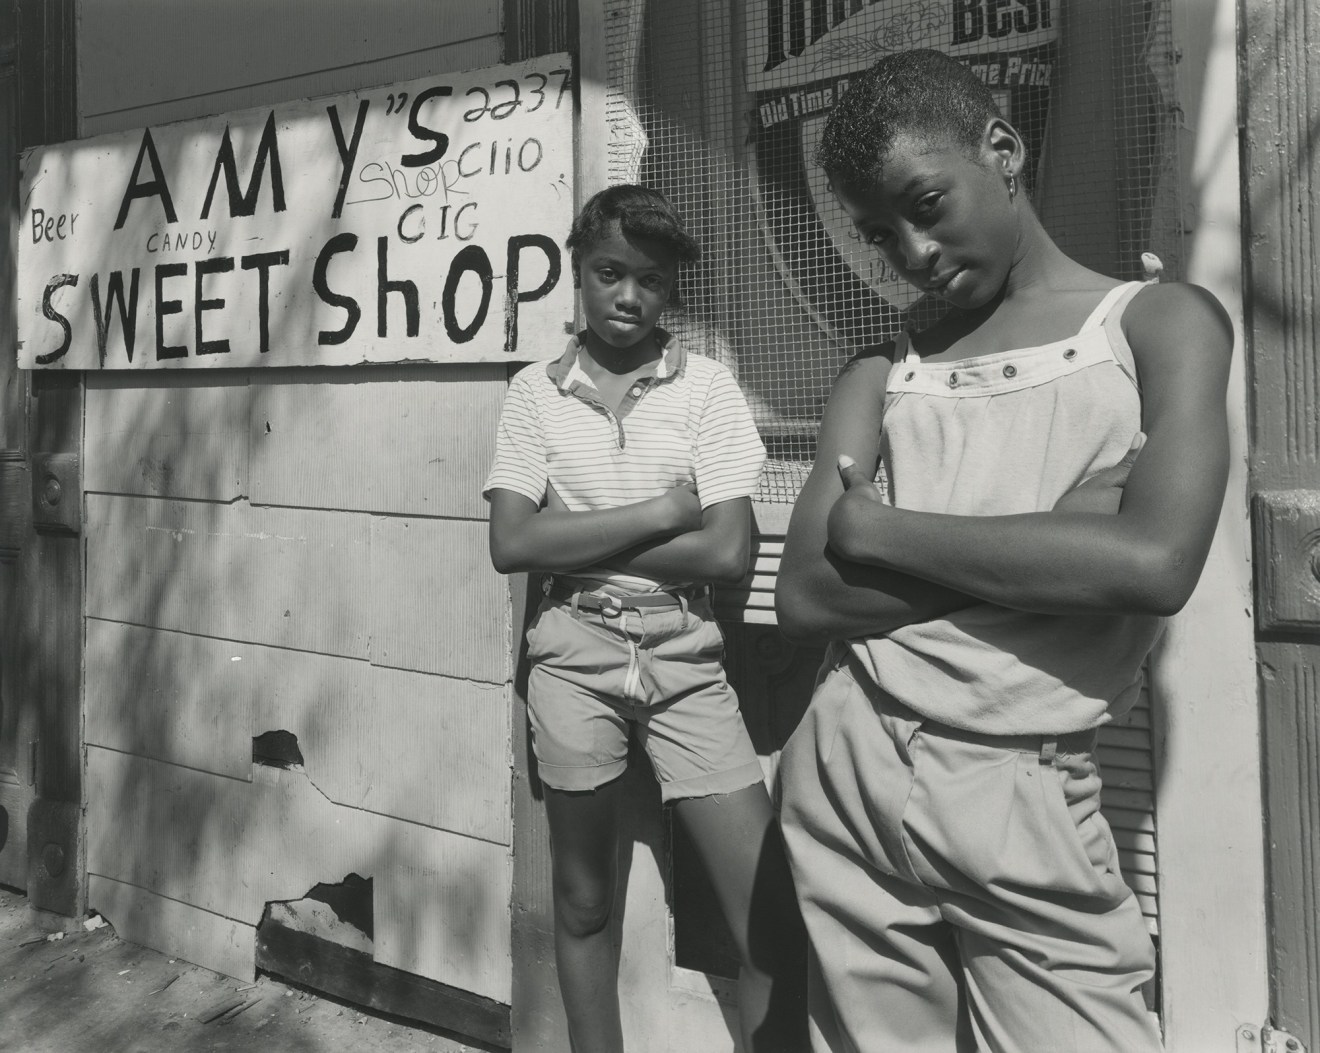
(1079,796)
(986,817)
(534,631)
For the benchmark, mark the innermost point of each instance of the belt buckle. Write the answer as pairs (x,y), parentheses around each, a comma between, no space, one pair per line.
(609,606)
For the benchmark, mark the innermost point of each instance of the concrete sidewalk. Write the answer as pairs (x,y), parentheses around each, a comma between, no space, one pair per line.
(86,991)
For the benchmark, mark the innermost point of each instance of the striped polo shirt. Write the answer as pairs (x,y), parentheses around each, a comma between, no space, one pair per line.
(687,423)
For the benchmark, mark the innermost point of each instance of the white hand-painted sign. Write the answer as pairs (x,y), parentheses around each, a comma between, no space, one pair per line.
(421,221)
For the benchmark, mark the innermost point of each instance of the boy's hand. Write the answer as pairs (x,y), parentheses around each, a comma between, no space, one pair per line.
(681,508)
(1102,493)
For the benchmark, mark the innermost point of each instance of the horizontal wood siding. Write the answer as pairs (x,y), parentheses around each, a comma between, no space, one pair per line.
(408,441)
(230,847)
(167,434)
(437,605)
(199,936)
(289,577)
(299,551)
(423,748)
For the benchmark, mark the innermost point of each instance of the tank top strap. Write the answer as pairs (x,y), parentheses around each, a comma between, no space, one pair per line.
(903,349)
(1107,304)
(1113,326)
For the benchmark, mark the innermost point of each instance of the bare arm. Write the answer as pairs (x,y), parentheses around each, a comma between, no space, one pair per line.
(821,596)
(524,537)
(718,551)
(1145,559)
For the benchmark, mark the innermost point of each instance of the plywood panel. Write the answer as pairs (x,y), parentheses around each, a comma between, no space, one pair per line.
(167,435)
(280,576)
(198,51)
(230,847)
(172,696)
(437,751)
(405,440)
(171,927)
(437,604)
(428,749)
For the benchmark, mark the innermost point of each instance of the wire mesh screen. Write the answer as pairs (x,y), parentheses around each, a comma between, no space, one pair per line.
(720,103)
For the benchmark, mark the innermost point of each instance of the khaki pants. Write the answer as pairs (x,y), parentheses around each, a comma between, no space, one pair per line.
(961,892)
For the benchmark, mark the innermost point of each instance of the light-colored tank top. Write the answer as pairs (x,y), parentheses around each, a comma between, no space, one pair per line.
(1003,434)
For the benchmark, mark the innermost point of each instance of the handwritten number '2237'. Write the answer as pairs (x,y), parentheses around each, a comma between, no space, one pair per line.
(499,110)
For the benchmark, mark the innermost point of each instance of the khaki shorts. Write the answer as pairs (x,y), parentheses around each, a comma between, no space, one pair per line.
(594,675)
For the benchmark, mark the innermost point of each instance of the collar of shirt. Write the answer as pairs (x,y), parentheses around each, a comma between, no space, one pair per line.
(568,374)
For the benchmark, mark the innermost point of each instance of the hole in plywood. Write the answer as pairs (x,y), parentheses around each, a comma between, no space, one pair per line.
(340,913)
(277,749)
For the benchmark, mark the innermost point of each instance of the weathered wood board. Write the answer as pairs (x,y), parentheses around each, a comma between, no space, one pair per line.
(399,439)
(166,434)
(287,577)
(428,749)
(437,604)
(173,927)
(230,847)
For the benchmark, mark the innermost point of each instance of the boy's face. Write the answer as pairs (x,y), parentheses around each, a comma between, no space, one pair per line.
(941,217)
(625,285)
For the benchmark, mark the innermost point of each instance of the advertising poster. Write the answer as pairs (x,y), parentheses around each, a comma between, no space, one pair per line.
(414,222)
(800,56)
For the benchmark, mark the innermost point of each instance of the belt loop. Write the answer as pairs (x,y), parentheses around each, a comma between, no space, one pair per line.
(573,604)
(683,605)
(1048,748)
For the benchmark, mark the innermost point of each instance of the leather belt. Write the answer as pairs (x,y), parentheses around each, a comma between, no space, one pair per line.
(609,604)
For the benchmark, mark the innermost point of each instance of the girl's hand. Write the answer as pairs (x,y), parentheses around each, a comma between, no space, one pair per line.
(853,513)
(1102,493)
(853,478)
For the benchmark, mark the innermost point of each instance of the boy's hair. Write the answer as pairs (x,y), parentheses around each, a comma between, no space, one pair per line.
(641,213)
(922,92)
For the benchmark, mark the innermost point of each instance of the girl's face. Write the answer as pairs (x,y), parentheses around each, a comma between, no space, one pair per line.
(625,285)
(941,217)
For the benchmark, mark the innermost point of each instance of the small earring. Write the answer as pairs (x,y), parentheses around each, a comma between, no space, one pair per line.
(1012,186)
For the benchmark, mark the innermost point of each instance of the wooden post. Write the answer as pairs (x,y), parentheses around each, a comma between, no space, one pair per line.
(1282,106)
(17,720)
(48,680)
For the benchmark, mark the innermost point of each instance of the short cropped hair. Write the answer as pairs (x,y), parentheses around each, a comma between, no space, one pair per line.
(922,92)
(641,213)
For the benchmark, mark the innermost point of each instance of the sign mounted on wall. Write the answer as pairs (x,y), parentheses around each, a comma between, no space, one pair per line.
(415,222)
